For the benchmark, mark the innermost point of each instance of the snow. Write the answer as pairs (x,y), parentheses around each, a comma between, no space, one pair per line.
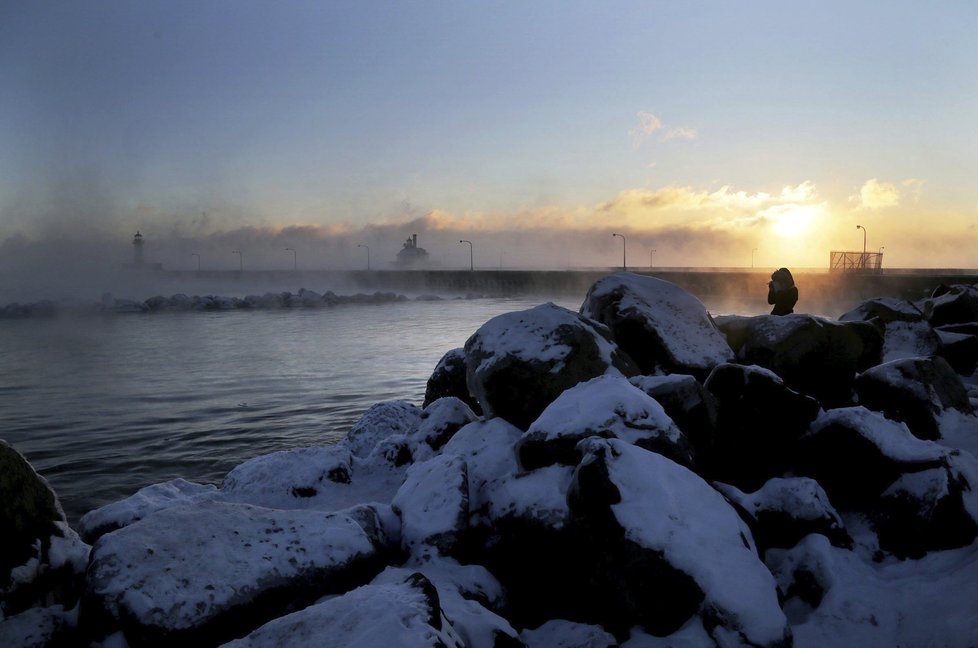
(679,318)
(909,340)
(894,440)
(540,495)
(32,627)
(666,507)
(559,633)
(530,336)
(182,566)
(487,447)
(604,405)
(802,497)
(433,502)
(379,422)
(372,616)
(926,602)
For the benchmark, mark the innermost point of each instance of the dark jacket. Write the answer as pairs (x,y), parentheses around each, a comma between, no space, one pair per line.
(782,292)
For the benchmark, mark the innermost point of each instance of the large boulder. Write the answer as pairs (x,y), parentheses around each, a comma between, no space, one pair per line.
(518,363)
(884,309)
(608,407)
(406,614)
(760,422)
(916,391)
(688,403)
(960,350)
(380,421)
(785,510)
(660,325)
(665,546)
(813,355)
(856,454)
(906,333)
(440,420)
(958,304)
(433,504)
(41,558)
(448,379)
(210,572)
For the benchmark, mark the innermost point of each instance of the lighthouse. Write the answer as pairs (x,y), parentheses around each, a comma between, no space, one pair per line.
(137,250)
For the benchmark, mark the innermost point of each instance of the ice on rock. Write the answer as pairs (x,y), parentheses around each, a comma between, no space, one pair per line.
(379,422)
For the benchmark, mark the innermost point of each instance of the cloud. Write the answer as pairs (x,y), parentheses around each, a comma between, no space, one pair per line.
(876,195)
(648,124)
(682,132)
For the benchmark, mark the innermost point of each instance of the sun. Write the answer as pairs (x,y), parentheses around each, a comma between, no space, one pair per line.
(792,221)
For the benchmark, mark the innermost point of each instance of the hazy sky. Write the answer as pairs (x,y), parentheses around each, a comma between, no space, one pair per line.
(536,129)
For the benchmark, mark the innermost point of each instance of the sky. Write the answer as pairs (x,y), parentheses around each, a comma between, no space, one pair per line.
(714,133)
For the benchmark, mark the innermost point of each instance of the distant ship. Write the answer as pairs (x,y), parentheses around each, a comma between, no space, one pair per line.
(412,255)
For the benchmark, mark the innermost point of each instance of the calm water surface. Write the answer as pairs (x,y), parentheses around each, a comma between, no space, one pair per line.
(103,406)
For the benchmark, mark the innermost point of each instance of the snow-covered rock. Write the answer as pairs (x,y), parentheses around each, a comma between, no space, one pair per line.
(448,379)
(960,350)
(785,510)
(519,362)
(488,450)
(380,422)
(143,502)
(37,627)
(813,355)
(606,406)
(567,634)
(660,325)
(957,304)
(916,391)
(760,421)
(884,309)
(668,546)
(440,420)
(214,570)
(433,504)
(855,454)
(688,403)
(406,614)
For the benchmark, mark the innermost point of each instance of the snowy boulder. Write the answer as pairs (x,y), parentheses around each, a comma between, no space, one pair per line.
(916,391)
(37,627)
(930,510)
(448,379)
(785,510)
(688,403)
(608,407)
(813,355)
(856,454)
(657,323)
(41,558)
(379,422)
(469,595)
(884,309)
(210,572)
(567,634)
(760,421)
(960,350)
(440,420)
(518,363)
(143,502)
(957,305)
(433,504)
(665,547)
(406,614)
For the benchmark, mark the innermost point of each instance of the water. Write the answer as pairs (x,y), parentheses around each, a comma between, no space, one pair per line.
(102,406)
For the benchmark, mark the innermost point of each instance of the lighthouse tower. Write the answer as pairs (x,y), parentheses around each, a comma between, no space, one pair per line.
(137,249)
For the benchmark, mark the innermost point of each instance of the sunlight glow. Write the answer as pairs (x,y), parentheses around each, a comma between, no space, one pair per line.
(792,220)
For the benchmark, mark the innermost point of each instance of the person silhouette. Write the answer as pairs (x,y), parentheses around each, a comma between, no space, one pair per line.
(782,292)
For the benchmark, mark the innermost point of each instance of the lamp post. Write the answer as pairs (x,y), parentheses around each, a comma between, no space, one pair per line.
(651,252)
(295,259)
(240,260)
(368,253)
(752,257)
(624,266)
(862,260)
(198,260)
(471,265)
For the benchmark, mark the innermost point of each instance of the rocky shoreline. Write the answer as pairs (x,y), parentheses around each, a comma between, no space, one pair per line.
(634,474)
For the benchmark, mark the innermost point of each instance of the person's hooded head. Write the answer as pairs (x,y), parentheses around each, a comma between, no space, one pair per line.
(782,279)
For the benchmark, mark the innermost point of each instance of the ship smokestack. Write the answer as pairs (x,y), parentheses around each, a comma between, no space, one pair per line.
(414,238)
(137,249)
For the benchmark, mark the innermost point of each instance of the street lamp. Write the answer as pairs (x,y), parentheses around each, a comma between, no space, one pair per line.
(624,266)
(862,261)
(651,252)
(471,266)
(752,257)
(240,260)
(295,262)
(198,260)
(368,253)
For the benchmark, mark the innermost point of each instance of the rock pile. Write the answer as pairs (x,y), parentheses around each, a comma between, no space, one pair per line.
(637,471)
